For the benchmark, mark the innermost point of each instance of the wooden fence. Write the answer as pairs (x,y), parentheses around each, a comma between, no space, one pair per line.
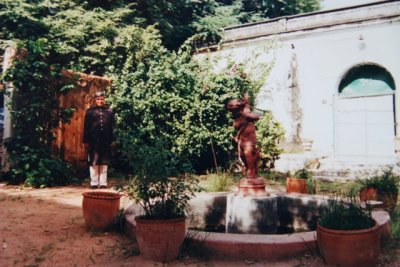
(68,144)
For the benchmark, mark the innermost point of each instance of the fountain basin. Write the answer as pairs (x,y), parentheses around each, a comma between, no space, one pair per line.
(268,247)
(296,212)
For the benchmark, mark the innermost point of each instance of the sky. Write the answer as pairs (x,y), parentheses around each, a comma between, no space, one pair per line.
(329,4)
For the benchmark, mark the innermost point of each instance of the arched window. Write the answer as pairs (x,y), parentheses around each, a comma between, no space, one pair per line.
(366,80)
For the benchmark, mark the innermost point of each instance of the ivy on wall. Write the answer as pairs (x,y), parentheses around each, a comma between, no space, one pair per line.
(36,113)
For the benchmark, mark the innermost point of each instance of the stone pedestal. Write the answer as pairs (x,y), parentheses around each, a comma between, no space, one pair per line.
(251,214)
(252,187)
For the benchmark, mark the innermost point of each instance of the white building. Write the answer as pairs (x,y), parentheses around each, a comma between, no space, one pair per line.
(333,86)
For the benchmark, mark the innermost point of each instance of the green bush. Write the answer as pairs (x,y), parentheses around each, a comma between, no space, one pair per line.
(158,186)
(181,99)
(346,214)
(34,169)
(385,182)
(36,113)
(270,134)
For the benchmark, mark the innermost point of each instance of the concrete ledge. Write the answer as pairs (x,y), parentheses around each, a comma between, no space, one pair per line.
(323,20)
(253,246)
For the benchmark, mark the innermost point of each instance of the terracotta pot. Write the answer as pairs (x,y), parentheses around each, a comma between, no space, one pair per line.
(294,185)
(160,240)
(349,247)
(368,193)
(100,209)
(388,200)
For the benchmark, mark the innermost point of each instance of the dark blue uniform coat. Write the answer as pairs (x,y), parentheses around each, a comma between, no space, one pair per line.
(98,132)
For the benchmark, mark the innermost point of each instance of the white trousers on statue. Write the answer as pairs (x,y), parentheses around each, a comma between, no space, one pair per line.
(98,175)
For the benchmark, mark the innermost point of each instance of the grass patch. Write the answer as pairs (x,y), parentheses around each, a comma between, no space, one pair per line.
(218,182)
(326,187)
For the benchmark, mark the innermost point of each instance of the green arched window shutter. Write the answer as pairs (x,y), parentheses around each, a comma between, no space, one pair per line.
(366,80)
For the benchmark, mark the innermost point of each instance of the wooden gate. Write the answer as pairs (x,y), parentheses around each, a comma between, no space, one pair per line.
(364,126)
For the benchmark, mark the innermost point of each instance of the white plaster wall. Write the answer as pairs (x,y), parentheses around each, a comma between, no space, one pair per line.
(323,58)
(331,4)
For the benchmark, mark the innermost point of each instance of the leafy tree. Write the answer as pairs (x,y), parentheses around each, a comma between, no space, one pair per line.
(256,9)
(209,26)
(88,31)
(20,19)
(89,38)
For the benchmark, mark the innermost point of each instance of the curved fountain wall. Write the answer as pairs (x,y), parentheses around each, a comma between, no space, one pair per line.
(276,213)
(295,212)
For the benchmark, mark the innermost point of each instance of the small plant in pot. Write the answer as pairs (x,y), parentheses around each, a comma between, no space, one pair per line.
(383,186)
(160,231)
(301,182)
(347,235)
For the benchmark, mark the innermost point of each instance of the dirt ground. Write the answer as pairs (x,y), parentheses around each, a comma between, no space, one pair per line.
(45,227)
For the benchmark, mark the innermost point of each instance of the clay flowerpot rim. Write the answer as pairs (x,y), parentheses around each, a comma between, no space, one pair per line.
(294,178)
(344,231)
(102,195)
(144,218)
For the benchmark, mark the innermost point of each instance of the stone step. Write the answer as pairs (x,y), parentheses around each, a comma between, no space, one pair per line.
(334,168)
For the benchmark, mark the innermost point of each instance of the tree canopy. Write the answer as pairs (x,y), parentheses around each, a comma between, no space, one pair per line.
(160,93)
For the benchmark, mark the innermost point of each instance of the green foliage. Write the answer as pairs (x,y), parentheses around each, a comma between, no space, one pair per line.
(395,225)
(161,195)
(311,186)
(20,19)
(92,39)
(218,182)
(270,134)
(89,30)
(36,113)
(210,27)
(385,182)
(221,14)
(157,93)
(172,18)
(303,173)
(346,214)
(35,168)
(253,10)
(164,94)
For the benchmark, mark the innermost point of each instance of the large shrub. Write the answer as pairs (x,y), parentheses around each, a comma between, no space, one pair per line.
(168,95)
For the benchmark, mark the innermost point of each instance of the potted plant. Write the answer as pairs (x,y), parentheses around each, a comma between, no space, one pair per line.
(100,209)
(347,235)
(382,187)
(160,231)
(301,182)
